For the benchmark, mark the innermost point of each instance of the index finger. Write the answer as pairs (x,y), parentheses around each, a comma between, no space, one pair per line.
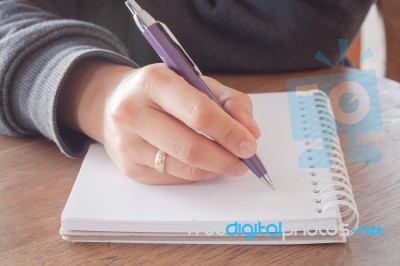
(178,98)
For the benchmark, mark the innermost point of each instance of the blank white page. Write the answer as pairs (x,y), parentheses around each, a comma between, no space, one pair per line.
(102,194)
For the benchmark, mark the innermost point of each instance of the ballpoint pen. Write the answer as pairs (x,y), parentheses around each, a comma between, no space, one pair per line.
(174,56)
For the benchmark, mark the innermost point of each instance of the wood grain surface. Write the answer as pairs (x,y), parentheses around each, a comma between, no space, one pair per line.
(35,181)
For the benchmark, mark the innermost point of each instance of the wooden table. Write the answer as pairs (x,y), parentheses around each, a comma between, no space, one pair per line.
(35,181)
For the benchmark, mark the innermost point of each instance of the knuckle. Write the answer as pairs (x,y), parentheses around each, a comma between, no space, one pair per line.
(243,97)
(200,114)
(231,135)
(117,112)
(125,112)
(148,76)
(211,81)
(188,152)
(151,71)
(191,173)
(238,98)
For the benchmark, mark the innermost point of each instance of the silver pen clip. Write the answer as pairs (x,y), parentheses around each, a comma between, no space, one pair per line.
(142,19)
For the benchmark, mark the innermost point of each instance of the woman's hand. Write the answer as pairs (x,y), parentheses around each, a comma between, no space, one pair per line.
(136,112)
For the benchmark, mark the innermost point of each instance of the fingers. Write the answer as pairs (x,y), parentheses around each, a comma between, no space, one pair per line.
(141,154)
(136,159)
(187,146)
(142,169)
(198,112)
(236,103)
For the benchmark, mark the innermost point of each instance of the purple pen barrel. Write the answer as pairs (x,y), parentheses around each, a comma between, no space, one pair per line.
(173,55)
(255,165)
(177,59)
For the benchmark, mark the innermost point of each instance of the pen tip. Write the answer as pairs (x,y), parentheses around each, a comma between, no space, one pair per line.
(267,181)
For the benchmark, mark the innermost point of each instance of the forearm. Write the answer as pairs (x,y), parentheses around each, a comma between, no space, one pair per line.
(85,93)
(38,50)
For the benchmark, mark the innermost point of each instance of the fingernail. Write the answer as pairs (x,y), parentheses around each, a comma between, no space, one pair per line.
(241,170)
(247,148)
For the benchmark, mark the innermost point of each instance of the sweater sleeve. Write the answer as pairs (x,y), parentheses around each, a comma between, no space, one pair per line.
(37,51)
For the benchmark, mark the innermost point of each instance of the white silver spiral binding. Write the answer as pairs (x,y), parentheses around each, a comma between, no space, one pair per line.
(333,190)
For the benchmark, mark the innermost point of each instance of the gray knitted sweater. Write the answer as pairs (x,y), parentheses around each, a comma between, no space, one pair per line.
(41,40)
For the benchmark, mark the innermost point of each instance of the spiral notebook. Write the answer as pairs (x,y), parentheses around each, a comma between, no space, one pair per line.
(313,201)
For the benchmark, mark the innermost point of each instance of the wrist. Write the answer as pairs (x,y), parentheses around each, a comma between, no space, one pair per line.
(85,93)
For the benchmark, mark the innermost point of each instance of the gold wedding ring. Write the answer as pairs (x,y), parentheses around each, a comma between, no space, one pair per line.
(159,162)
